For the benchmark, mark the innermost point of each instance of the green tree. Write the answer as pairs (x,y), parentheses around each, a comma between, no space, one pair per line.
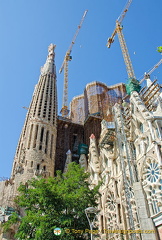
(159,49)
(56,202)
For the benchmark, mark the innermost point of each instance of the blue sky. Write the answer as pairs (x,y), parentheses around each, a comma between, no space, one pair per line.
(28,27)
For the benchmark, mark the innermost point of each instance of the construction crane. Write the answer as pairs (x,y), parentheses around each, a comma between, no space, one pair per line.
(150,71)
(118,30)
(67,58)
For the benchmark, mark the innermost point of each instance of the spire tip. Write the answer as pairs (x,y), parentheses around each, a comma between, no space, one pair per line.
(51,48)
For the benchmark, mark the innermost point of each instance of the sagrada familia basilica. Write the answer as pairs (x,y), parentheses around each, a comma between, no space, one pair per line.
(116,137)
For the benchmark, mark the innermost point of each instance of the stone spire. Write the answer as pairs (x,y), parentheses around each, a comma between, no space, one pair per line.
(36,148)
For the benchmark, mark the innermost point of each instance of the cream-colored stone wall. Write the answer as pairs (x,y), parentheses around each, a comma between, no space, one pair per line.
(130,167)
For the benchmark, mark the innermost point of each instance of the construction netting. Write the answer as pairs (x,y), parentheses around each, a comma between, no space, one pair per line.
(132,85)
(83,149)
(98,100)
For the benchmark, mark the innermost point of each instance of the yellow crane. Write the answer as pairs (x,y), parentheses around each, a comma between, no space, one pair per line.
(118,30)
(67,58)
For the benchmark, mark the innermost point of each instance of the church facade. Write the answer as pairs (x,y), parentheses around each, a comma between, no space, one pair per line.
(128,160)
(124,139)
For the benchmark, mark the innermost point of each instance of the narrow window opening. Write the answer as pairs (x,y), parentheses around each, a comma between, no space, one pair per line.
(133,151)
(119,213)
(46,146)
(14,165)
(31,164)
(41,138)
(18,147)
(116,188)
(44,168)
(139,148)
(51,150)
(141,127)
(38,166)
(41,99)
(35,136)
(30,135)
(102,225)
(106,160)
(38,96)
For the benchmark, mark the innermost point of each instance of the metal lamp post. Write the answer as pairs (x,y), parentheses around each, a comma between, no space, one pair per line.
(91,210)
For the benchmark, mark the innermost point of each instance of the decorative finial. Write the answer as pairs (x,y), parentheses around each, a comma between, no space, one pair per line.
(49,65)
(68,152)
(92,136)
(51,48)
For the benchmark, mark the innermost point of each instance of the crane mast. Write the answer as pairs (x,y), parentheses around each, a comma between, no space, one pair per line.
(118,30)
(67,58)
(125,52)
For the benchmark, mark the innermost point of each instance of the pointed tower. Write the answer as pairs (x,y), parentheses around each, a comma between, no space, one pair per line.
(35,153)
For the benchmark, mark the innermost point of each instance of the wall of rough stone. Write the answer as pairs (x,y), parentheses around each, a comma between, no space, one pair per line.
(6,193)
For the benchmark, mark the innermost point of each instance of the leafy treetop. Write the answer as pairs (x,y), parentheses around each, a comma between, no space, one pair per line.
(55,202)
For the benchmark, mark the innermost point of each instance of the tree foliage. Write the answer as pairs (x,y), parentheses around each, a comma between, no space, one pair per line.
(56,202)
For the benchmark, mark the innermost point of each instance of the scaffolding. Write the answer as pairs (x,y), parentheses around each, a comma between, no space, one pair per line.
(97,100)
(150,94)
(109,134)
